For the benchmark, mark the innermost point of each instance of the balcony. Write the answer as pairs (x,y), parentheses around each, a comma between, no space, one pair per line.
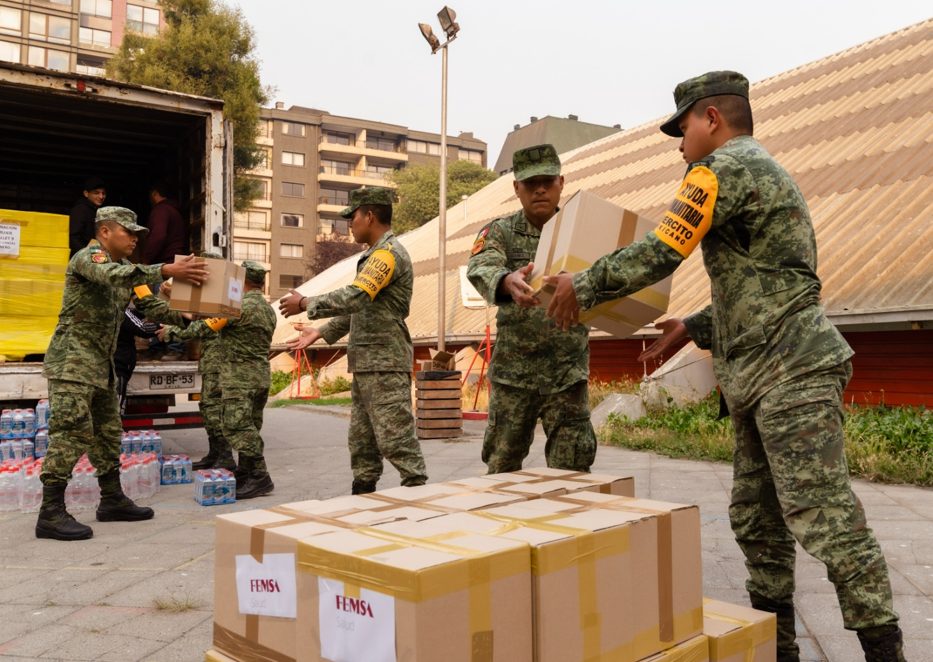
(378,149)
(352,176)
(331,204)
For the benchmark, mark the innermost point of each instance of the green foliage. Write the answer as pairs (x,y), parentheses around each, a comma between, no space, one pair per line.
(205,49)
(886,444)
(419,190)
(318,402)
(280,379)
(338,384)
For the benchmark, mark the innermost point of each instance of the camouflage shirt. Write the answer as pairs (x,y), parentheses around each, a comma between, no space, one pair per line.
(240,346)
(97,291)
(156,309)
(530,351)
(765,324)
(373,310)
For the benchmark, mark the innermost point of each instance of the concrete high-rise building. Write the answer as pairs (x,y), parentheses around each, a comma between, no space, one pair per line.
(312,161)
(565,133)
(72,35)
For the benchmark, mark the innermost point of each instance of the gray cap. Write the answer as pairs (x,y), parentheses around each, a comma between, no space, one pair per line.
(123,216)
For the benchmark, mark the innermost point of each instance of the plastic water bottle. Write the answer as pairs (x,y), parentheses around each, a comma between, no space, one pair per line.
(157,443)
(168,470)
(41,446)
(203,487)
(7,490)
(31,494)
(19,423)
(29,423)
(185,476)
(42,414)
(6,424)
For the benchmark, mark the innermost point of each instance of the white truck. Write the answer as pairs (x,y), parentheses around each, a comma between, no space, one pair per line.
(61,128)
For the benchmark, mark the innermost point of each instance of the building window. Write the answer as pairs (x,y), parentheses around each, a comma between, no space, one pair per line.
(291,250)
(9,52)
(94,36)
(265,158)
(289,282)
(265,128)
(53,28)
(293,159)
(422,147)
(250,250)
(471,155)
(11,22)
(293,129)
(383,144)
(336,138)
(334,226)
(91,66)
(378,171)
(261,188)
(48,58)
(142,19)
(293,189)
(333,196)
(293,220)
(336,167)
(252,219)
(97,7)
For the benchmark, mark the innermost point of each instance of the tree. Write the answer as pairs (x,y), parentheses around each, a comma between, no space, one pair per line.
(419,190)
(328,253)
(205,49)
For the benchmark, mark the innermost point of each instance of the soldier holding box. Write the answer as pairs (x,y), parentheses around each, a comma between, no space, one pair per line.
(380,355)
(537,370)
(781,364)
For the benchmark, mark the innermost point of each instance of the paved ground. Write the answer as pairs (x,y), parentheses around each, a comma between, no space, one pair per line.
(144,591)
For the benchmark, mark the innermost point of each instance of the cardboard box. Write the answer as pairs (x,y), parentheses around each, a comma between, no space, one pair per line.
(589,570)
(255,585)
(585,229)
(692,650)
(220,296)
(369,596)
(570,481)
(739,634)
(358,510)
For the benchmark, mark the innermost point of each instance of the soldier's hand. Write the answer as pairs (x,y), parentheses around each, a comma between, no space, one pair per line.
(516,286)
(161,333)
(564,308)
(307,337)
(673,331)
(187,269)
(166,289)
(290,304)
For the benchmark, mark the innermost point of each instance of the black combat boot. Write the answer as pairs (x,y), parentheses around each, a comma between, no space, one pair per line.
(224,458)
(54,521)
(882,643)
(363,486)
(207,462)
(115,506)
(241,471)
(258,481)
(787,649)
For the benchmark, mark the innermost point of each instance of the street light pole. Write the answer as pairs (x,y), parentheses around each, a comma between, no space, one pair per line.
(447,18)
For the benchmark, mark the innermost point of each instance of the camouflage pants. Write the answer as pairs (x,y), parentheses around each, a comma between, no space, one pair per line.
(242,421)
(211,406)
(791,482)
(565,416)
(84,419)
(382,426)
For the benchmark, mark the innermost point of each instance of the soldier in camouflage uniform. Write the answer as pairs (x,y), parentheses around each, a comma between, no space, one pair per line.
(782,366)
(380,355)
(244,377)
(79,366)
(537,369)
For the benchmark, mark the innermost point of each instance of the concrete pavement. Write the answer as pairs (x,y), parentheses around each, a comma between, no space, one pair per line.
(144,591)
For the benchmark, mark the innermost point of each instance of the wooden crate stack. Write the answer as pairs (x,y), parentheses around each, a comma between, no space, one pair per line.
(438,412)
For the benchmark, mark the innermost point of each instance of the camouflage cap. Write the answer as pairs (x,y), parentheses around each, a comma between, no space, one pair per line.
(535,161)
(255,272)
(371,195)
(217,255)
(123,216)
(710,84)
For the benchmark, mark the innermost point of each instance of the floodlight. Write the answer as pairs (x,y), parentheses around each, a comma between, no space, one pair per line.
(448,18)
(428,35)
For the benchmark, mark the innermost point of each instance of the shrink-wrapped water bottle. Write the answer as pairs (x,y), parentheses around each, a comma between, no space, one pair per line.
(42,414)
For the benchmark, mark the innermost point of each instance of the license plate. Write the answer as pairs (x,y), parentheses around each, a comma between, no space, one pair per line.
(168,381)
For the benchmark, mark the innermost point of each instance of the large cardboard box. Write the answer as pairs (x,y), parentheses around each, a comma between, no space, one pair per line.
(358,510)
(521,482)
(255,584)
(220,296)
(369,596)
(739,634)
(585,229)
(692,650)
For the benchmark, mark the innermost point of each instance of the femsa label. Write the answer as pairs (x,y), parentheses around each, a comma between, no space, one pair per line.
(690,215)
(267,588)
(376,272)
(356,624)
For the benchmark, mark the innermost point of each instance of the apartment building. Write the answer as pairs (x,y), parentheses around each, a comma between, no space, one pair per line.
(72,35)
(312,161)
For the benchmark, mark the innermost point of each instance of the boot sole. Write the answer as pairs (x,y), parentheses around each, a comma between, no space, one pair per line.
(51,535)
(122,518)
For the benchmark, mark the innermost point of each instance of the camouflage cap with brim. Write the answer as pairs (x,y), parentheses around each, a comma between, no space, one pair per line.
(255,272)
(371,195)
(123,216)
(710,84)
(536,161)
(217,255)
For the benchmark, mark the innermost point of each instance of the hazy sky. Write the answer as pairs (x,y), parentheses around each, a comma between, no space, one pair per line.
(608,62)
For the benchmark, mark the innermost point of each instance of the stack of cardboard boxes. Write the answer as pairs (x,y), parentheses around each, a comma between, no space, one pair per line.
(542,565)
